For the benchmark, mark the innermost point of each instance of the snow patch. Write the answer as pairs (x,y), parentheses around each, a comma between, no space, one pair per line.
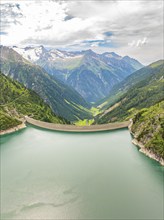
(30,53)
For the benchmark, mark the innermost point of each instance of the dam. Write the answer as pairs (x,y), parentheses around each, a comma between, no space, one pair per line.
(75,128)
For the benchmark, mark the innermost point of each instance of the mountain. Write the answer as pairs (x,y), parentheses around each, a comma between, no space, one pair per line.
(16,101)
(148,129)
(142,89)
(92,75)
(64,101)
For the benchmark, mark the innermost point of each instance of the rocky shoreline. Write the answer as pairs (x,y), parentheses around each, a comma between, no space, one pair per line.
(147,152)
(143,150)
(14,129)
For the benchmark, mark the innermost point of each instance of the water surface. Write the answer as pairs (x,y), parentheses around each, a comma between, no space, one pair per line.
(57,175)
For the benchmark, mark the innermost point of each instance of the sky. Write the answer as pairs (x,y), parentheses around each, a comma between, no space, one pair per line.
(133,28)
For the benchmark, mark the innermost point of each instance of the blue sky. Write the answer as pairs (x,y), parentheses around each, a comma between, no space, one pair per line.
(131,28)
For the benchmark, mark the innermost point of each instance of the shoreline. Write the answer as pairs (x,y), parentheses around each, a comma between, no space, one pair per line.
(14,129)
(142,148)
(147,152)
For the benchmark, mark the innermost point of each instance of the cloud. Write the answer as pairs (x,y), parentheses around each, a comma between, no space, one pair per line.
(108,33)
(126,27)
(3,33)
(138,43)
(68,17)
(98,43)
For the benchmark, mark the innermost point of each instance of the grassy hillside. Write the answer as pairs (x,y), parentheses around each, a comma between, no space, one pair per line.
(142,90)
(148,127)
(64,101)
(16,101)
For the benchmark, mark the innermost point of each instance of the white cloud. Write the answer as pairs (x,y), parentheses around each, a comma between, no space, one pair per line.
(138,43)
(134,27)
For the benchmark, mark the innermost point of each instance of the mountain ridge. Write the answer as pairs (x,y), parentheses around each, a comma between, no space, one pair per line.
(64,101)
(99,71)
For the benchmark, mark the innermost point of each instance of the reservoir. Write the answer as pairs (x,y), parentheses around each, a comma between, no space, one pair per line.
(58,175)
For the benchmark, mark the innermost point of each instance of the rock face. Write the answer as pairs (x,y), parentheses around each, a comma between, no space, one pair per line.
(90,74)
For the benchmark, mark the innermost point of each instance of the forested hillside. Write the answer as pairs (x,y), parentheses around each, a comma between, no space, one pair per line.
(140,98)
(141,90)
(148,128)
(16,101)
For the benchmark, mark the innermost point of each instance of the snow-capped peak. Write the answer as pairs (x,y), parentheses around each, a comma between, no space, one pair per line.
(30,53)
(59,54)
(112,55)
(33,54)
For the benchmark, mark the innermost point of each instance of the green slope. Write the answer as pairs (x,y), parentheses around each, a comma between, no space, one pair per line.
(129,82)
(7,121)
(143,89)
(16,101)
(64,101)
(148,127)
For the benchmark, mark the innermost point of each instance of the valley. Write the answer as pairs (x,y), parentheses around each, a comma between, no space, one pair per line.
(30,89)
(63,100)
(81,110)
(91,74)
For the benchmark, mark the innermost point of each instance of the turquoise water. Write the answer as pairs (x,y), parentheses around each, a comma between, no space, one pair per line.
(57,175)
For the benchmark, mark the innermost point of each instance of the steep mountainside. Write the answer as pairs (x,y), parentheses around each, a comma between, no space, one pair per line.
(141,90)
(148,128)
(64,101)
(16,101)
(92,75)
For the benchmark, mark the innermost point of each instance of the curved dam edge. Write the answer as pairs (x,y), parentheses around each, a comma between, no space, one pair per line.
(75,128)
